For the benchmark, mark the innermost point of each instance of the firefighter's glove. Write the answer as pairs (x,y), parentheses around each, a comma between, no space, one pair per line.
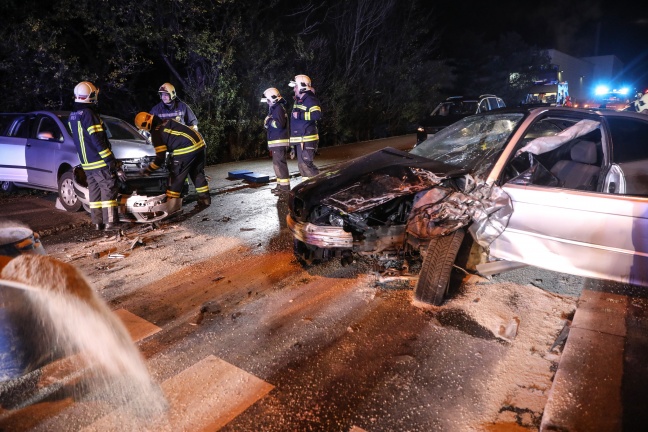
(292,152)
(121,175)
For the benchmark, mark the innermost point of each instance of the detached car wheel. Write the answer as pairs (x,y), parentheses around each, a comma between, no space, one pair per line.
(436,269)
(7,187)
(66,193)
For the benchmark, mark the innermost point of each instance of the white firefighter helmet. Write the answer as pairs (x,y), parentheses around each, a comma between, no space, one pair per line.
(86,92)
(271,95)
(144,121)
(303,82)
(167,88)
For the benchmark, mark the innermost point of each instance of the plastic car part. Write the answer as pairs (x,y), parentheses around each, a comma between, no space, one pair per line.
(434,279)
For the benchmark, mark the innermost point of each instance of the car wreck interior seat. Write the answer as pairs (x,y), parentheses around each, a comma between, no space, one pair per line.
(579,172)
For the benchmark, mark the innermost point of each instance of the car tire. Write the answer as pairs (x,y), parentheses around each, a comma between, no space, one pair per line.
(67,196)
(434,279)
(7,187)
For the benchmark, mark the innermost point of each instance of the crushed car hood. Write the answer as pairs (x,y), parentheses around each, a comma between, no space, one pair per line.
(131,149)
(373,179)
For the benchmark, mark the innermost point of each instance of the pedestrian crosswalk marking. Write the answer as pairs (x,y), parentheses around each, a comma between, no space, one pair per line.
(137,327)
(203,397)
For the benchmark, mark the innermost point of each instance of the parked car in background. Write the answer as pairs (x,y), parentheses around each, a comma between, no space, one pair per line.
(558,188)
(455,108)
(37,151)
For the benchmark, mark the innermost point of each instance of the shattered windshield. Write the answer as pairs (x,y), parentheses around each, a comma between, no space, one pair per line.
(472,143)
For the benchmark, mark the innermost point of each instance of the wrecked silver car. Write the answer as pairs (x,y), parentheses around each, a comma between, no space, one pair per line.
(558,188)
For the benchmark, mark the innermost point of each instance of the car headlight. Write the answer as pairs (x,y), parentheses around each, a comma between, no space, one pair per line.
(336,220)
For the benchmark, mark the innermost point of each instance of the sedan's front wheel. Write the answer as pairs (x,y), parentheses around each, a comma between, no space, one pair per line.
(67,196)
(434,279)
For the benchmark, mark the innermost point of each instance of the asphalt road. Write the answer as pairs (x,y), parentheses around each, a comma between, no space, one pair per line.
(241,337)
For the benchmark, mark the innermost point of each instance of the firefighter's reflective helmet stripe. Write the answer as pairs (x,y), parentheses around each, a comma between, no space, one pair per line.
(306,138)
(86,92)
(167,88)
(144,121)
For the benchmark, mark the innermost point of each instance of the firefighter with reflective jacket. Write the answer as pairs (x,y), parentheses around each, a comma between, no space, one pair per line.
(97,160)
(187,149)
(170,107)
(276,124)
(303,125)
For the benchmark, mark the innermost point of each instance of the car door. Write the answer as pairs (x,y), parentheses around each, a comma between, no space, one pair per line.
(591,233)
(43,152)
(13,166)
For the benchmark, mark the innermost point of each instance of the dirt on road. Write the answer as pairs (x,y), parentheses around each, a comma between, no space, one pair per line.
(341,348)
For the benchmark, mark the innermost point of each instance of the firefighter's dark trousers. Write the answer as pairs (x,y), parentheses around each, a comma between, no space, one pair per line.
(102,191)
(280,165)
(305,155)
(193,166)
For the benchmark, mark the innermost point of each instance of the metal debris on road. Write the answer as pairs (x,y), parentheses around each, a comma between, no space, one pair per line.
(137,242)
(116,255)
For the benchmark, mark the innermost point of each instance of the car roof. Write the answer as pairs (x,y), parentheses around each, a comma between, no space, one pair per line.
(64,113)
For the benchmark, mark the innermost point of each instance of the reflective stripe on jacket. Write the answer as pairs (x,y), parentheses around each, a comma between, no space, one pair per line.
(308,110)
(90,138)
(276,125)
(177,139)
(177,110)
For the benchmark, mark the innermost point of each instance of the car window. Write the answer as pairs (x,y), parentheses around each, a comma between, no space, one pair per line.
(6,120)
(483,105)
(470,107)
(48,130)
(22,128)
(566,157)
(472,143)
(630,152)
(500,103)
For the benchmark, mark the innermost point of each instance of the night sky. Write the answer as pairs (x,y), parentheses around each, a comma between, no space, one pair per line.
(577,27)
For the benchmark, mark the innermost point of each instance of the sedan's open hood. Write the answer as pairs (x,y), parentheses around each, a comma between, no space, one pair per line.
(373,179)
(131,149)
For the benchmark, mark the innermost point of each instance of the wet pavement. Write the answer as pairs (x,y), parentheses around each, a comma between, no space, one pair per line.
(601,381)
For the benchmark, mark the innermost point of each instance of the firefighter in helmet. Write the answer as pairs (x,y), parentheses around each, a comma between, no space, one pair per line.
(97,160)
(171,107)
(303,125)
(276,124)
(188,155)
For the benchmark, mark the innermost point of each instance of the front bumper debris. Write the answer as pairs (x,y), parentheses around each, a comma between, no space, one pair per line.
(320,236)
